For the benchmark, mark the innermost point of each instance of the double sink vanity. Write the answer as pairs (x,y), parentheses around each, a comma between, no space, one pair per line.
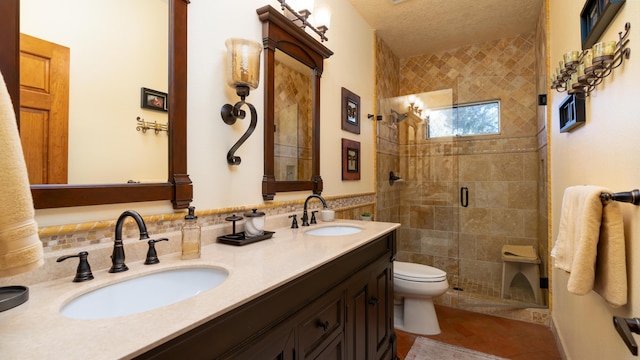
(327,295)
(323,291)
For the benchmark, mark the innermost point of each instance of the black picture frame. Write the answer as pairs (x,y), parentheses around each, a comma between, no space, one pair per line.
(350,159)
(153,99)
(350,111)
(572,113)
(595,18)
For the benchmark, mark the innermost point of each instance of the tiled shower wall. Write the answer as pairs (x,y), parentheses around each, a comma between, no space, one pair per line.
(501,171)
(387,85)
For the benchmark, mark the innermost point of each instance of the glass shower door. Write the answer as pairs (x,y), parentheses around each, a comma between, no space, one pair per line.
(497,160)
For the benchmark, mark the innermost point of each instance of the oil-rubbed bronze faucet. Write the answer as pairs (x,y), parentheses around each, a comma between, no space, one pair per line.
(117,258)
(305,216)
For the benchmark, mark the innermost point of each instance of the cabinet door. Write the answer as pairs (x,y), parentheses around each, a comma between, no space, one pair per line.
(370,312)
(333,351)
(357,319)
(381,309)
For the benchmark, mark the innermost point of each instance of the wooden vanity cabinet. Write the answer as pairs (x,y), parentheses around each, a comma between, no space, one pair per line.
(342,310)
(370,313)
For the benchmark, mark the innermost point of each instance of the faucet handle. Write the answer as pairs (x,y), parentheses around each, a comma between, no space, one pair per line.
(152,256)
(313,217)
(294,223)
(84,270)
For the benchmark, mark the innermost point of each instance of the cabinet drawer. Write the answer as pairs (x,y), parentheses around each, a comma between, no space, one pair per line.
(321,323)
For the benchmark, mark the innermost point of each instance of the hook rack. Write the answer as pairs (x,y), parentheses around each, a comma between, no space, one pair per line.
(151,125)
(593,75)
(632,196)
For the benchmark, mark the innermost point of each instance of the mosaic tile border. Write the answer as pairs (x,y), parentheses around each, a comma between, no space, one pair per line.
(69,236)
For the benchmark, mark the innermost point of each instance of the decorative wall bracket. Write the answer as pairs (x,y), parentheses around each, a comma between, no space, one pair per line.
(231,113)
(151,125)
(601,67)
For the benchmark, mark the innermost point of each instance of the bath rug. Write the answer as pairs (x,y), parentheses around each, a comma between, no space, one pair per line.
(424,348)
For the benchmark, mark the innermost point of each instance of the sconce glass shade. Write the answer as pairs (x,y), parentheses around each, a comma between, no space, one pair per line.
(322,17)
(243,63)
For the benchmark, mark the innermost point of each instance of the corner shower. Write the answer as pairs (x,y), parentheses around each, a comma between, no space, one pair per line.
(469,188)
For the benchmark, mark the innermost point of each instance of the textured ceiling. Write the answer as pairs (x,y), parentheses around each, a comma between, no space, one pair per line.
(415,27)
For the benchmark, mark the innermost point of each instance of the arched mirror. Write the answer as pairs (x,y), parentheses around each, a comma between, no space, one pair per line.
(293,64)
(177,187)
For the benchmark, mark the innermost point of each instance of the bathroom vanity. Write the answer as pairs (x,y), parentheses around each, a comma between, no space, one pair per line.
(293,296)
(342,309)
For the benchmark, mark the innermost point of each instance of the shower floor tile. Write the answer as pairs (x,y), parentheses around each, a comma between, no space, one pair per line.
(519,291)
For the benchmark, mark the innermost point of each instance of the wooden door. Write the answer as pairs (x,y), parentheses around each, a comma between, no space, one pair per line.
(44,109)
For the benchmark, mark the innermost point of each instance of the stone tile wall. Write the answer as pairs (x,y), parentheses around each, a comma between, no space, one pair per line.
(501,171)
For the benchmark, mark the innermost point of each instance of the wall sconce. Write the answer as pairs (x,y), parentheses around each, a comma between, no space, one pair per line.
(243,73)
(322,16)
(579,72)
(415,106)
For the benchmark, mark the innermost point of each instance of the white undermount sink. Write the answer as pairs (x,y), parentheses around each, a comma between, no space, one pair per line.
(143,293)
(334,230)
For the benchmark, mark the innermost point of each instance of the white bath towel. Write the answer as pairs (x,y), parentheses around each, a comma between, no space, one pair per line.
(20,246)
(591,244)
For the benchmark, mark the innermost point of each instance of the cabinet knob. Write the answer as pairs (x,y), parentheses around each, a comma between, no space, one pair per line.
(373,301)
(323,324)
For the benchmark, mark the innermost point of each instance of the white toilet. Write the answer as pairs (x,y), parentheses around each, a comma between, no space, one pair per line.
(415,286)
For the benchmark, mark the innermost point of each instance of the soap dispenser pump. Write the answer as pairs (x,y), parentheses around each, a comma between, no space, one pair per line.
(190,236)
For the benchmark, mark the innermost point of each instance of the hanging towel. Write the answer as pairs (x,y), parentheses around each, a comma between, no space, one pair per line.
(591,245)
(20,245)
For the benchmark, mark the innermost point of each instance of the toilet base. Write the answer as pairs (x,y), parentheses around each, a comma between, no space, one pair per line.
(422,317)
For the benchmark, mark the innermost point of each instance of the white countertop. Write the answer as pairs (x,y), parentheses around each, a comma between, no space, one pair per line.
(36,330)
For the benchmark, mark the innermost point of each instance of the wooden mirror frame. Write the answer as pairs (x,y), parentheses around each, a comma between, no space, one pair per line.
(280,33)
(178,187)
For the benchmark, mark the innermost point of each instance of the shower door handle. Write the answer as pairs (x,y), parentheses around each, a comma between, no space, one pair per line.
(464,196)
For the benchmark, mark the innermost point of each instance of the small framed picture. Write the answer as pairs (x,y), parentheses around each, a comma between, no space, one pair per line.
(350,160)
(350,111)
(152,99)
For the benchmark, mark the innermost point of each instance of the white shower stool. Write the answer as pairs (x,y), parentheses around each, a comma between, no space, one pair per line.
(521,259)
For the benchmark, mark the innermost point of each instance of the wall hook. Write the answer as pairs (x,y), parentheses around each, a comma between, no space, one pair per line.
(393,178)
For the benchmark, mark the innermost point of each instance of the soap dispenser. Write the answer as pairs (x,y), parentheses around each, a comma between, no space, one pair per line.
(190,236)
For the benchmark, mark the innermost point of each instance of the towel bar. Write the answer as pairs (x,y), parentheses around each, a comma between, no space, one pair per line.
(632,196)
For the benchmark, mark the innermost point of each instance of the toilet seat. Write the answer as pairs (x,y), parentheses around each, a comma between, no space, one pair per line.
(417,272)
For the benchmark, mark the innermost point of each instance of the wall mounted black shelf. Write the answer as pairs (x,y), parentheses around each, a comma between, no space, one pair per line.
(595,18)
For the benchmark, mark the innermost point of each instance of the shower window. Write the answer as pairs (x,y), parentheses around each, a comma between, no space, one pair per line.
(478,118)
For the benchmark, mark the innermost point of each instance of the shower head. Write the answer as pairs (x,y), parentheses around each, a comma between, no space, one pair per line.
(396,117)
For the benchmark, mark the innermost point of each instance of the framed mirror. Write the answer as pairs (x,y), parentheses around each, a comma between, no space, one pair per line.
(293,64)
(178,187)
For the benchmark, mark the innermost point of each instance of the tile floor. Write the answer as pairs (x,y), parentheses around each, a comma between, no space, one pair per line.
(512,339)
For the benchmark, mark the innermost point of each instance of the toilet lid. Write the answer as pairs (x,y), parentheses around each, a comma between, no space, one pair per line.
(417,272)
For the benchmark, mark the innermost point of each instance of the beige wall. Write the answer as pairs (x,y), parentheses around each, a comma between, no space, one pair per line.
(218,185)
(602,152)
